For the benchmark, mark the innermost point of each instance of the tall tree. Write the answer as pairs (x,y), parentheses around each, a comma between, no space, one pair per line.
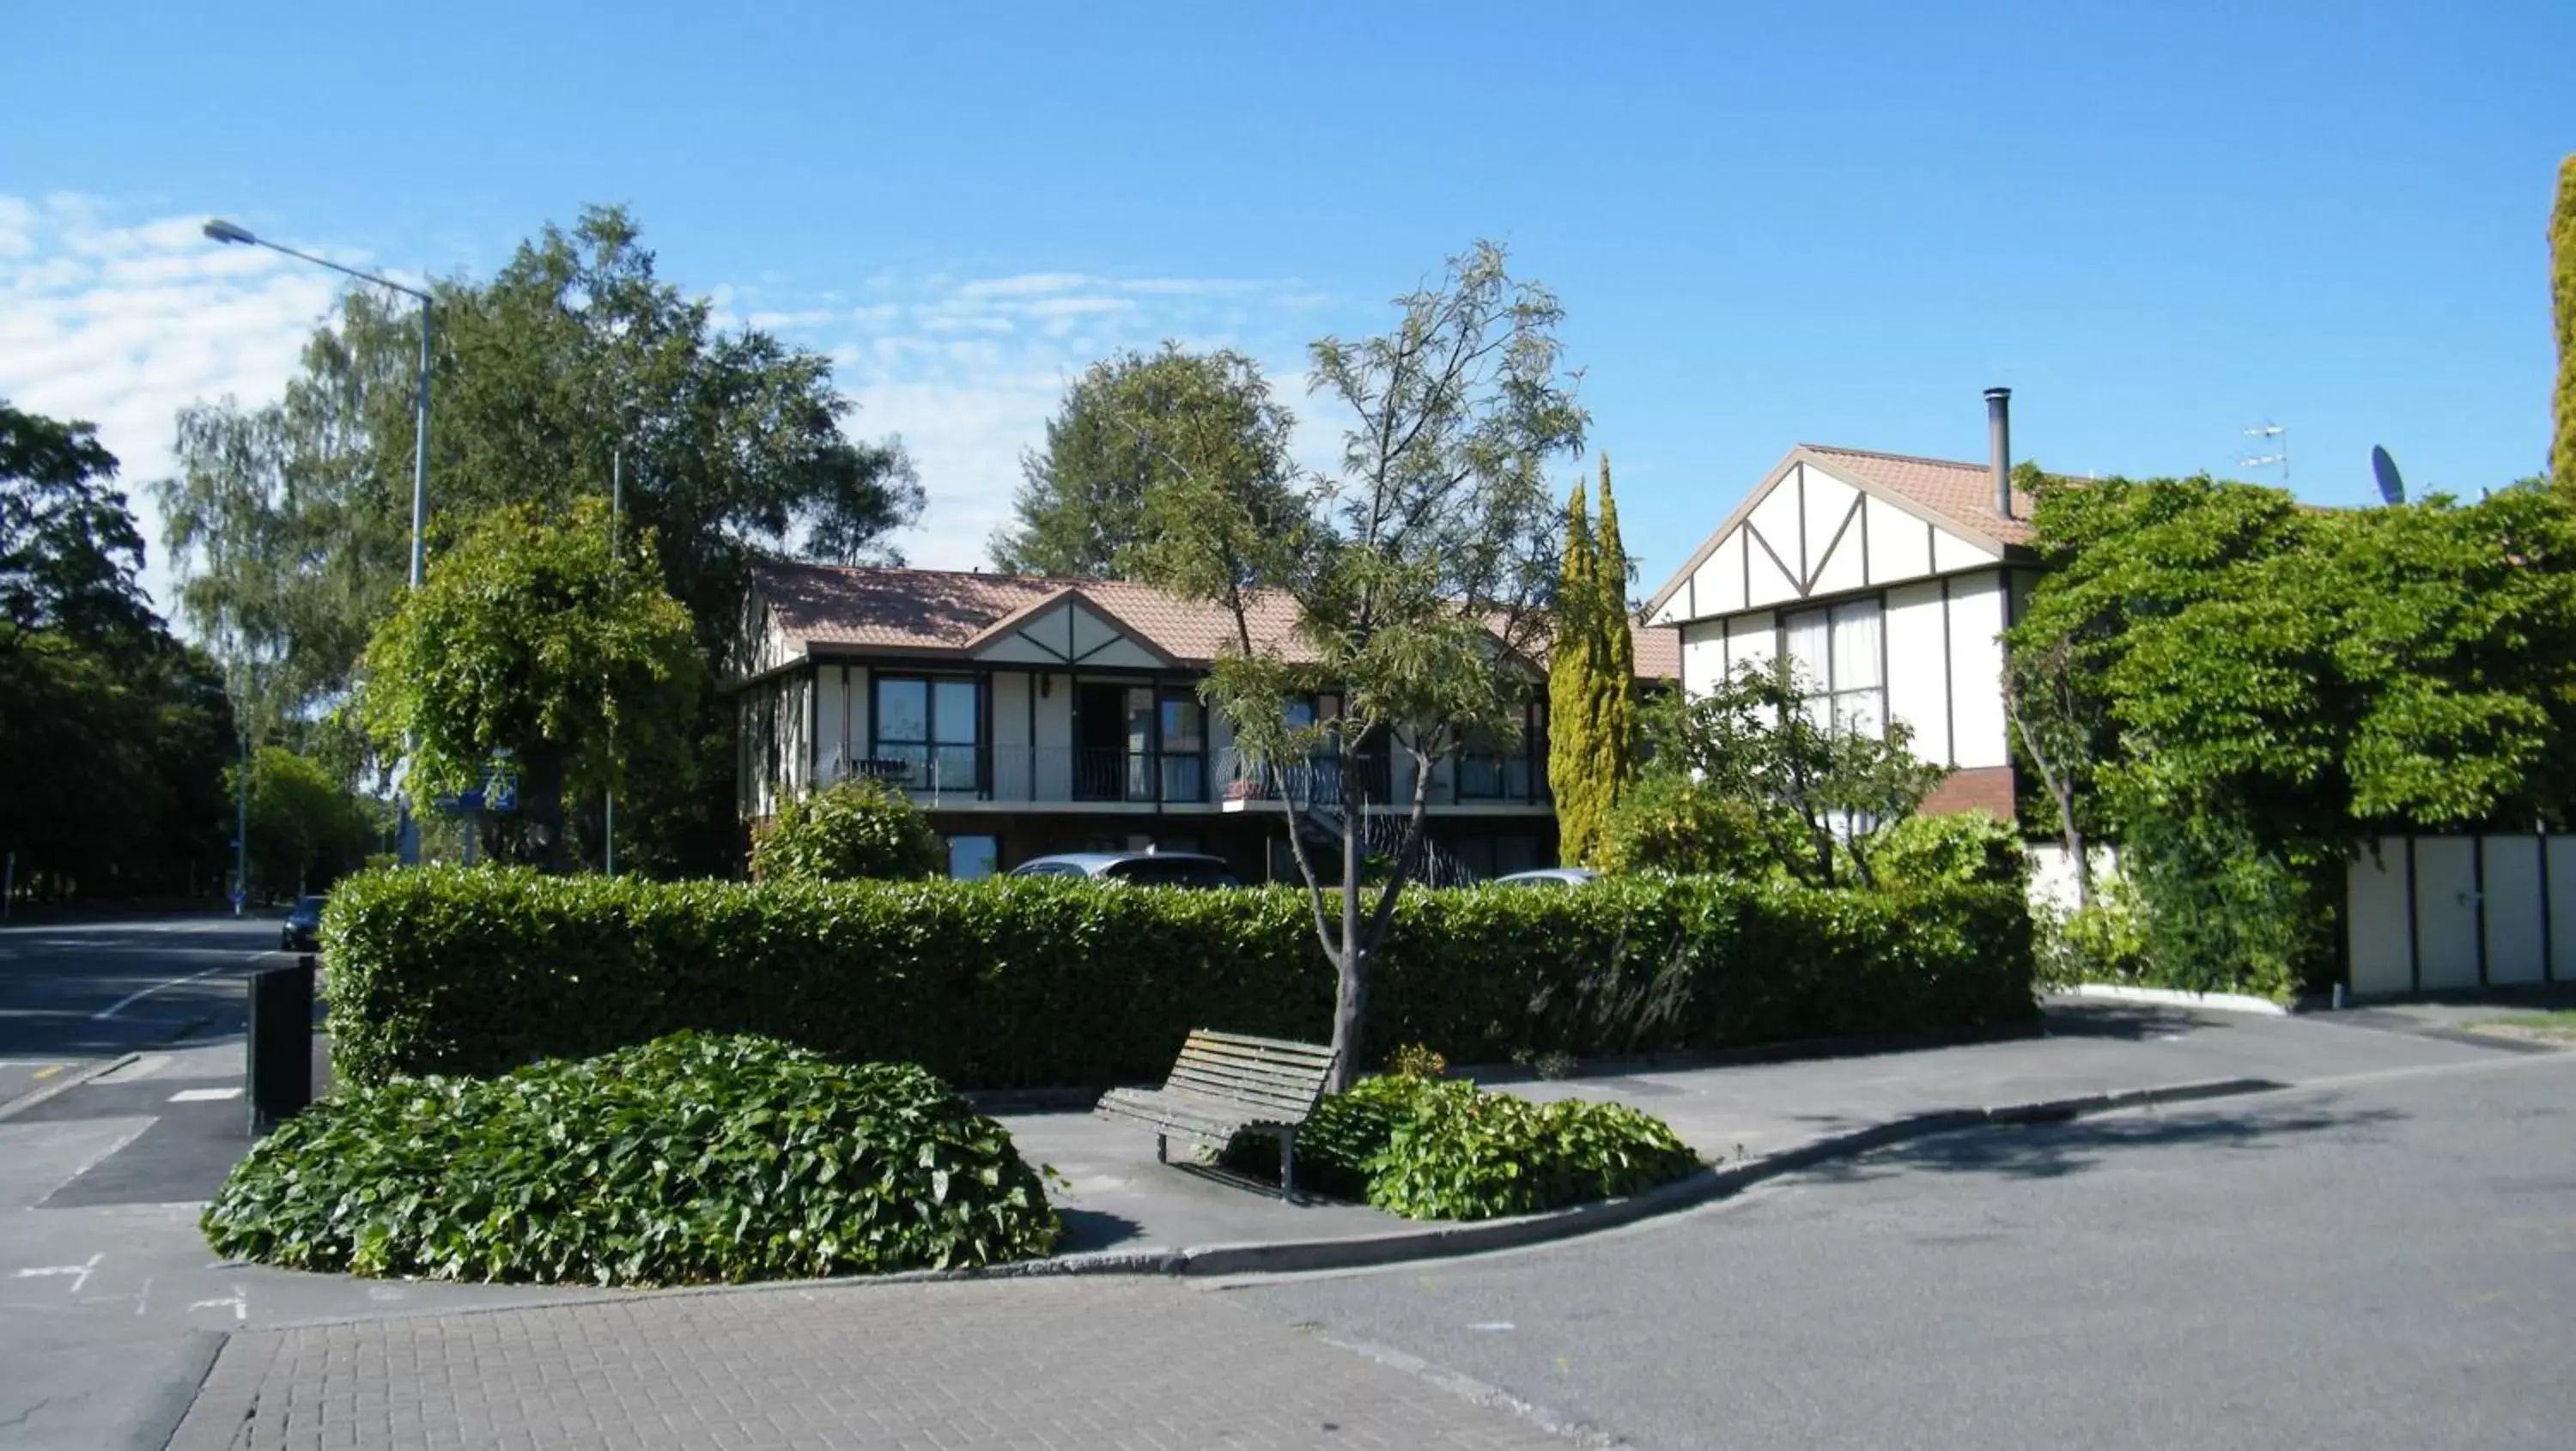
(532,639)
(1593,736)
(1616,733)
(291,522)
(112,735)
(306,826)
(1574,649)
(2562,289)
(1421,598)
(1129,425)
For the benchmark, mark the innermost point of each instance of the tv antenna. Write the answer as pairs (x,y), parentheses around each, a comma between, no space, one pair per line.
(2276,438)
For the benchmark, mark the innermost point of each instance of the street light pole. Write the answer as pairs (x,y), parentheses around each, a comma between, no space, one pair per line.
(407,842)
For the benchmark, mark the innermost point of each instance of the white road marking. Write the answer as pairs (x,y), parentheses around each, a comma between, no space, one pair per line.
(143,1297)
(80,1273)
(239,1300)
(130,999)
(204,1095)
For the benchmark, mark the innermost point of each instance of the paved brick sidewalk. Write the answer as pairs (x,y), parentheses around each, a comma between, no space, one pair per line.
(1041,1363)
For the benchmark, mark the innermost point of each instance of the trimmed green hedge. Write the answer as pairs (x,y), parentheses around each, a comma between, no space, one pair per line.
(1008,983)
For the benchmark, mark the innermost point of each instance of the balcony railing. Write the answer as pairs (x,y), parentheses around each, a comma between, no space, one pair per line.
(1061,775)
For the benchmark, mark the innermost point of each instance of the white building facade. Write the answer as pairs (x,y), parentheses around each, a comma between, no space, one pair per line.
(1888,580)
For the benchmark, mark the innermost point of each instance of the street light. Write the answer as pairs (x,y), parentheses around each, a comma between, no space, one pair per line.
(226,232)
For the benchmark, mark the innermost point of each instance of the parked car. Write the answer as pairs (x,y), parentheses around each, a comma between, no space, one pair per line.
(1136,868)
(303,931)
(1549,877)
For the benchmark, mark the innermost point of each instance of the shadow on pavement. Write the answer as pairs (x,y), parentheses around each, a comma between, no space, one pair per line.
(1090,1229)
(2133,1022)
(2055,1150)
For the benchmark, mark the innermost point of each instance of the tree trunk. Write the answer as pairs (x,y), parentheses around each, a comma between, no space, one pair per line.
(1350,992)
(2076,849)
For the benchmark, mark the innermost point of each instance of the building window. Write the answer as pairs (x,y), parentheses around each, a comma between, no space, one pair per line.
(1184,746)
(973,857)
(933,726)
(1840,662)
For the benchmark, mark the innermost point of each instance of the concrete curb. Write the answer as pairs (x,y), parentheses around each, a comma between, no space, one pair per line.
(2178,998)
(155,1423)
(66,1084)
(1433,1241)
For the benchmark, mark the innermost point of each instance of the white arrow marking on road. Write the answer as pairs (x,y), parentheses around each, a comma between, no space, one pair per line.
(240,1302)
(130,999)
(80,1273)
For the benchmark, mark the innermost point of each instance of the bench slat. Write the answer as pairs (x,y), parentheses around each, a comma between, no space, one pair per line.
(1197,1119)
(1305,1084)
(1282,1051)
(1295,1104)
(1285,1072)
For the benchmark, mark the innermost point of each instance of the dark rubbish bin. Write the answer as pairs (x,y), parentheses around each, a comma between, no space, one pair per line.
(281,1044)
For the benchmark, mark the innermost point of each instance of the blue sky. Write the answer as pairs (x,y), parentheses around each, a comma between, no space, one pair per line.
(2158,225)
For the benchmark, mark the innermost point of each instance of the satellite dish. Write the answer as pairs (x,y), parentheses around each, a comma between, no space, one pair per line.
(2392,489)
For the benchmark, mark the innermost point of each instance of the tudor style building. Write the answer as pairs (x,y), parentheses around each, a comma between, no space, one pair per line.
(1887,580)
(1030,716)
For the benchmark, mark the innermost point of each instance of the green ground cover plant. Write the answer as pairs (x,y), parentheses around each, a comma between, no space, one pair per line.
(691,1159)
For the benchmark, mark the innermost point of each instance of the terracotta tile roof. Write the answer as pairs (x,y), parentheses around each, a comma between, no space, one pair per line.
(943,610)
(1961,493)
(1659,651)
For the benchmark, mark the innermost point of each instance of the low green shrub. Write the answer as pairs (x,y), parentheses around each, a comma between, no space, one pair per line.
(1441,1148)
(690,1159)
(1016,983)
(1960,847)
(855,829)
(2103,942)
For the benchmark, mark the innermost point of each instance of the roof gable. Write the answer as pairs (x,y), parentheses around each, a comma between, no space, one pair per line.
(1066,628)
(1829,520)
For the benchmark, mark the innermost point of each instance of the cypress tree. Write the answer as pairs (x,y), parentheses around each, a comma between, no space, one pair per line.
(1572,650)
(2562,287)
(1615,745)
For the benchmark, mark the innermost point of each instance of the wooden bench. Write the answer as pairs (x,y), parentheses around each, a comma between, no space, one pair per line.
(1225,1083)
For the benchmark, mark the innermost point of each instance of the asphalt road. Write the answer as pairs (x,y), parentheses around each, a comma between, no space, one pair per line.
(2390,1264)
(72,992)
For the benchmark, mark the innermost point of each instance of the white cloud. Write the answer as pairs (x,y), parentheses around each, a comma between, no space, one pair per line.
(125,321)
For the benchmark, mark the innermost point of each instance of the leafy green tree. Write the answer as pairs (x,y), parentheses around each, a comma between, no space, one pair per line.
(532,637)
(1593,733)
(291,523)
(2562,289)
(112,734)
(306,826)
(1749,764)
(1422,594)
(1130,426)
(2262,687)
(855,829)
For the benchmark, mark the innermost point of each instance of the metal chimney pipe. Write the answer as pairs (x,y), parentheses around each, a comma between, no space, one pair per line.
(1999,445)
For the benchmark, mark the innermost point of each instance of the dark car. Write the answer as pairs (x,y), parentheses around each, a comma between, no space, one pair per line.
(1135,868)
(303,931)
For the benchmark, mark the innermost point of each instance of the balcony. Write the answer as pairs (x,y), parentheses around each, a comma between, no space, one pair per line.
(973,777)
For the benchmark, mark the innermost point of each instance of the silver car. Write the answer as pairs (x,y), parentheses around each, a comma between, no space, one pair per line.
(1135,868)
(1549,877)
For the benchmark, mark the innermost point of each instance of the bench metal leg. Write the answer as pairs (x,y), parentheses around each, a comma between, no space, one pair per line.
(1288,1166)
